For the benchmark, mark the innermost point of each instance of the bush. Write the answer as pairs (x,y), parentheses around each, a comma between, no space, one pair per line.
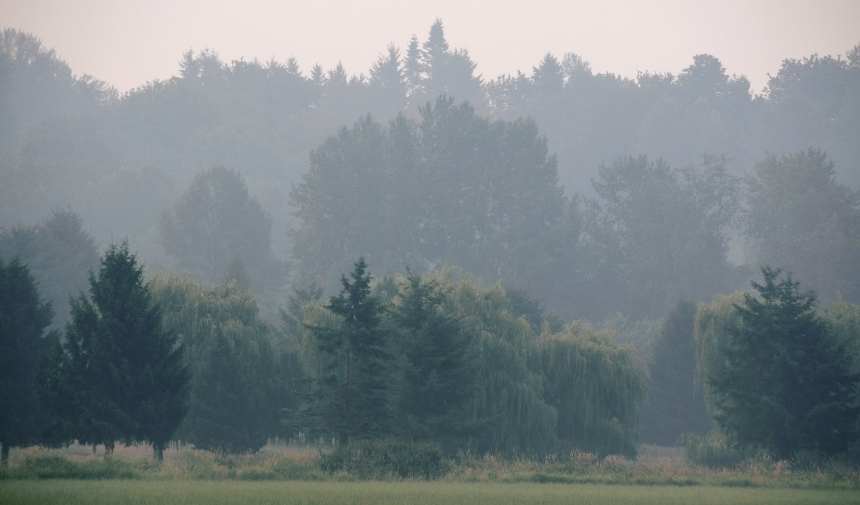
(55,467)
(712,450)
(380,459)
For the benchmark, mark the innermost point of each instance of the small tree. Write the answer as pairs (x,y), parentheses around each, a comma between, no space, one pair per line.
(24,318)
(787,384)
(131,379)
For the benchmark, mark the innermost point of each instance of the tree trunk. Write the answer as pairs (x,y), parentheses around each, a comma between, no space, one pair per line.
(158,452)
(4,457)
(109,449)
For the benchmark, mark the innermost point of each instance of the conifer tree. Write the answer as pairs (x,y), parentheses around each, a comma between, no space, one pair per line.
(439,375)
(412,70)
(130,374)
(24,317)
(354,382)
(786,384)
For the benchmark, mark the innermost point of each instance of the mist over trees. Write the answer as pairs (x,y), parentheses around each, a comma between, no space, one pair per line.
(557,256)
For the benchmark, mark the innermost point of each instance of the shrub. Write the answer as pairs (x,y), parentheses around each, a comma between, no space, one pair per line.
(56,467)
(379,459)
(712,450)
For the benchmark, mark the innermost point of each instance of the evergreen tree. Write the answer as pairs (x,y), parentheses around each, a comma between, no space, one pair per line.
(412,71)
(439,376)
(129,371)
(675,403)
(435,48)
(786,384)
(24,317)
(356,366)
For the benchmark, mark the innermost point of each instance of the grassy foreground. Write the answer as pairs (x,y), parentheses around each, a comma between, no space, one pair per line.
(114,492)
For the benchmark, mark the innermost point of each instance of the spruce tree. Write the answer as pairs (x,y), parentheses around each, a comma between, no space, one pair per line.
(24,317)
(131,379)
(787,384)
(355,374)
(439,376)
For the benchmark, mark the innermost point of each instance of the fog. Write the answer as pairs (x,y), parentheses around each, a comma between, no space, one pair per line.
(462,224)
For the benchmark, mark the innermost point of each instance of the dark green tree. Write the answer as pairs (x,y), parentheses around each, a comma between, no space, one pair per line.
(786,384)
(356,371)
(24,318)
(675,403)
(439,375)
(130,372)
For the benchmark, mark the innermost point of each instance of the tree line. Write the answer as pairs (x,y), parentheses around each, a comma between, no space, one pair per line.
(435,358)
(444,176)
(74,142)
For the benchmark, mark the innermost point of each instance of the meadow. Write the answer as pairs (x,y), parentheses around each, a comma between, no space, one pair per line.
(292,475)
(78,492)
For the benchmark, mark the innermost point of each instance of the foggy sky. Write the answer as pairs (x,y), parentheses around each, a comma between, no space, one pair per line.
(127,43)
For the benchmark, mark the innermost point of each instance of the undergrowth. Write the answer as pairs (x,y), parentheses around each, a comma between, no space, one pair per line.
(400,463)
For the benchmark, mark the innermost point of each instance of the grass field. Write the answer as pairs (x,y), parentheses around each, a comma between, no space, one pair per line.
(115,492)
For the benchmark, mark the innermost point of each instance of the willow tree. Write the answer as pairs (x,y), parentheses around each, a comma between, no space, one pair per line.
(508,410)
(237,389)
(595,388)
(714,322)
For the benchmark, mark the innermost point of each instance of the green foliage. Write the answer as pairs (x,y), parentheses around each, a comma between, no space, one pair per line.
(382,459)
(714,323)
(24,319)
(438,378)
(508,408)
(713,450)
(675,403)
(238,387)
(353,386)
(596,390)
(786,385)
(126,374)
(56,467)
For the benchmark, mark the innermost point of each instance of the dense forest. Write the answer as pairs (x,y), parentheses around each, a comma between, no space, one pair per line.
(532,264)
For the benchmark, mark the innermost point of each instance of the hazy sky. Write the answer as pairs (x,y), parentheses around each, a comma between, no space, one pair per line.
(130,42)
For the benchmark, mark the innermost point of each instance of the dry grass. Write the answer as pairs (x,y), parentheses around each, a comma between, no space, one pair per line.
(655,466)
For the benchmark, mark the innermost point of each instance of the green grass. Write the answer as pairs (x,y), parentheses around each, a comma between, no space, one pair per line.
(113,492)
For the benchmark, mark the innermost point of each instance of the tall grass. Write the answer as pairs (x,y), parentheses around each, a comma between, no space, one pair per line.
(281,463)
